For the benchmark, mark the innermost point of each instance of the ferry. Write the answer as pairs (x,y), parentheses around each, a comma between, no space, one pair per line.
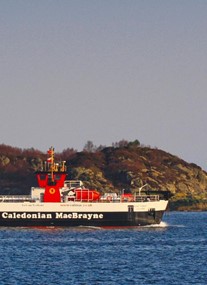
(58,202)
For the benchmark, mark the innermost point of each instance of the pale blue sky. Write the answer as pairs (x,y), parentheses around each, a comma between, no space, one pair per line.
(79,70)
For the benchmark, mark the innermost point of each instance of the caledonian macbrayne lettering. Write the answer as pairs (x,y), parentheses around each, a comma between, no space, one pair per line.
(56,215)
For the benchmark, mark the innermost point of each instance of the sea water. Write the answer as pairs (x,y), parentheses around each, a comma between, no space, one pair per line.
(174,253)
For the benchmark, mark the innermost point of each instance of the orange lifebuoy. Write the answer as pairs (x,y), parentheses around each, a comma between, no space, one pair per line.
(52,191)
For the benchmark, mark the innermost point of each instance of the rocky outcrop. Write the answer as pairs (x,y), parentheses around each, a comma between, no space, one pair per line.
(112,169)
(133,167)
(4,160)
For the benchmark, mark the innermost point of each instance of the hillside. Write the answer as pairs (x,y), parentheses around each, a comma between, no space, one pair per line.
(112,169)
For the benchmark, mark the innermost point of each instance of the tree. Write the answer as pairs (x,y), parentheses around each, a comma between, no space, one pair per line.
(89,147)
(121,143)
(135,143)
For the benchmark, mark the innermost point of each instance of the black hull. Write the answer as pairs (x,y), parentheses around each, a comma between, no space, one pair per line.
(65,219)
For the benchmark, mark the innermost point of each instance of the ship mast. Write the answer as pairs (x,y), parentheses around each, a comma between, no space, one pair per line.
(50,161)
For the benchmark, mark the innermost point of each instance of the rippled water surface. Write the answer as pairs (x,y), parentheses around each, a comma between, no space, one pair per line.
(174,253)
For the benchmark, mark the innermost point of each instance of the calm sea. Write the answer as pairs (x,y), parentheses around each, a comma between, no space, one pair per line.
(173,254)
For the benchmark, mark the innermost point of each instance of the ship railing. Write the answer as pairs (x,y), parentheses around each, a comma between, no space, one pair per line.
(72,184)
(109,199)
(146,198)
(15,198)
(135,198)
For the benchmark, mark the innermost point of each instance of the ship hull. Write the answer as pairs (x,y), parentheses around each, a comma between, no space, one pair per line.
(81,214)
